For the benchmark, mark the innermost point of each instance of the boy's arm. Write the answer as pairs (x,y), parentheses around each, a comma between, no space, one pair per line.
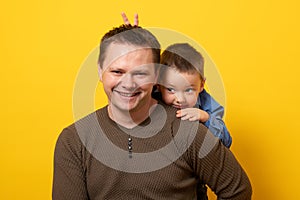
(193,114)
(126,20)
(215,122)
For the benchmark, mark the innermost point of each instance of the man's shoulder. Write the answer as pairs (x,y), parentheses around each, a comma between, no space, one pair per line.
(99,113)
(85,122)
(177,122)
(170,110)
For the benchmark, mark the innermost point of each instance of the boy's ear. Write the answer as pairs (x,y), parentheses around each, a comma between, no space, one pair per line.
(100,72)
(202,84)
(157,87)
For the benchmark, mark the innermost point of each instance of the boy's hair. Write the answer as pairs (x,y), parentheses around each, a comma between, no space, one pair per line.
(131,35)
(183,58)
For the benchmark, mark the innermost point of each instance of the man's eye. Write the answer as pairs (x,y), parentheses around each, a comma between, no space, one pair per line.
(140,74)
(116,72)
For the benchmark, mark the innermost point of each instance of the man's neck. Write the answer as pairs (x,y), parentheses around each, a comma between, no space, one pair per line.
(131,119)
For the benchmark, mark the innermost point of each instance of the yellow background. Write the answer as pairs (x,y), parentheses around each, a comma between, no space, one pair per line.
(253,43)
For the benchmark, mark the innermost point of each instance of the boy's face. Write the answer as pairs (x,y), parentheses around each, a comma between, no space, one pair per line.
(128,76)
(180,89)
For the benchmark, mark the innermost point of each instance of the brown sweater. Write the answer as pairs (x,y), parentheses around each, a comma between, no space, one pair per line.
(168,156)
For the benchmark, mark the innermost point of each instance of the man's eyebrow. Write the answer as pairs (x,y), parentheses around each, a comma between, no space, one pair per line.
(140,70)
(115,68)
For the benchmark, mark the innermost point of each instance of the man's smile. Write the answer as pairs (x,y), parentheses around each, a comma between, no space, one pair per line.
(127,94)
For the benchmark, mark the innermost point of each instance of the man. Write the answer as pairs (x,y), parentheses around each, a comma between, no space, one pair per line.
(135,147)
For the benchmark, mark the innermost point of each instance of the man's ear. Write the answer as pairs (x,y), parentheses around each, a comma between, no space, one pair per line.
(157,71)
(100,72)
(156,78)
(202,84)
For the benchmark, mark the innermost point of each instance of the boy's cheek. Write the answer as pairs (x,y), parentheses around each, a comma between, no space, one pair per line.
(168,99)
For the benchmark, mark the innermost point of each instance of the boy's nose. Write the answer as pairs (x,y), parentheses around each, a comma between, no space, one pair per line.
(180,98)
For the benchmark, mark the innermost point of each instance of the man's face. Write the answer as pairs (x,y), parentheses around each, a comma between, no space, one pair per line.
(128,75)
(180,90)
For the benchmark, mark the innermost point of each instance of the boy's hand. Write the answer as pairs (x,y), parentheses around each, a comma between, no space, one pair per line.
(127,22)
(193,114)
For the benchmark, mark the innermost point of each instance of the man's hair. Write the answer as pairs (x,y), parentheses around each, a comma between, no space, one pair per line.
(183,58)
(130,35)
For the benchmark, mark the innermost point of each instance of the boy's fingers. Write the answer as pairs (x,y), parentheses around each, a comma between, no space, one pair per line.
(180,113)
(125,19)
(136,20)
(194,118)
(185,117)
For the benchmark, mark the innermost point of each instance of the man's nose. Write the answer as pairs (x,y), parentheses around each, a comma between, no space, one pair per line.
(128,82)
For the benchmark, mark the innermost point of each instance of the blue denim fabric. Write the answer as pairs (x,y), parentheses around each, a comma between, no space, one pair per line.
(215,123)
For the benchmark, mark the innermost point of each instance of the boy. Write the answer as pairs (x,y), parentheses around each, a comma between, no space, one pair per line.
(181,85)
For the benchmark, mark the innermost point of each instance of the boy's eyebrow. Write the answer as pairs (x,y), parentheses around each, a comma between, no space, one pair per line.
(171,85)
(168,85)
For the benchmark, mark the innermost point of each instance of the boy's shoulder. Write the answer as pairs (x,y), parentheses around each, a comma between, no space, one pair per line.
(204,98)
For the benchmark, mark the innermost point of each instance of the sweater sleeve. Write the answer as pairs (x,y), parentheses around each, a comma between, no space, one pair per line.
(69,177)
(217,167)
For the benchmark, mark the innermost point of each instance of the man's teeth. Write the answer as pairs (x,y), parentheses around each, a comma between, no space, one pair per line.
(127,94)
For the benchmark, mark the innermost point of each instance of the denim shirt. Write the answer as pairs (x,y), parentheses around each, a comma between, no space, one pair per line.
(215,123)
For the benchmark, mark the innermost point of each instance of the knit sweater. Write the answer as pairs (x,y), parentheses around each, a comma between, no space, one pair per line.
(161,158)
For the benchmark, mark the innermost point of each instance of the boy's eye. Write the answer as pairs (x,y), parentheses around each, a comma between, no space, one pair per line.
(172,90)
(190,90)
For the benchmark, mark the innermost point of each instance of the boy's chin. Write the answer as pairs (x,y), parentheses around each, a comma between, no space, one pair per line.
(179,107)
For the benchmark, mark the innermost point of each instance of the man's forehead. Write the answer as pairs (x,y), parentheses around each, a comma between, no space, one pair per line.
(116,51)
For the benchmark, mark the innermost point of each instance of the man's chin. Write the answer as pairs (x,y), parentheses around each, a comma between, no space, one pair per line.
(125,107)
